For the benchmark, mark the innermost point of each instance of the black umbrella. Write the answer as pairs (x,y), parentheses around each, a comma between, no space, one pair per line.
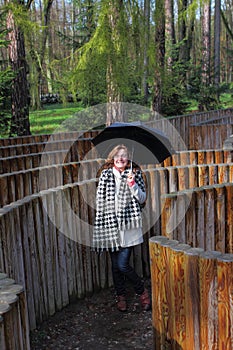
(148,145)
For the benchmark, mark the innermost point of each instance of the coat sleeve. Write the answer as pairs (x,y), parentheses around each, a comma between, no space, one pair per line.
(138,193)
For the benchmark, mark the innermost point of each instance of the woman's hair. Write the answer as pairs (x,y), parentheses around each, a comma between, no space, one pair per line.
(110,163)
(115,150)
(110,160)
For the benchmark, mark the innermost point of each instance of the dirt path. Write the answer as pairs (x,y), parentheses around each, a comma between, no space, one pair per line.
(95,323)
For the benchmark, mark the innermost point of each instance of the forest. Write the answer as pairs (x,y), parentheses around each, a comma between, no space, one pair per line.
(161,54)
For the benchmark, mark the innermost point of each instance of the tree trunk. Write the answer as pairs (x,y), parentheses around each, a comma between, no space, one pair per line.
(145,50)
(206,17)
(20,93)
(42,55)
(169,32)
(114,96)
(159,55)
(217,31)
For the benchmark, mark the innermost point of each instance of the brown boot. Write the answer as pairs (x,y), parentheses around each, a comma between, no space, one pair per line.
(145,300)
(121,303)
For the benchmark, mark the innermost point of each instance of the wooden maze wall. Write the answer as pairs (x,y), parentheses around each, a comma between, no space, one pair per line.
(54,268)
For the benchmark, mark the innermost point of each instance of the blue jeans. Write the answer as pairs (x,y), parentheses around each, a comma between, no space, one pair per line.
(121,269)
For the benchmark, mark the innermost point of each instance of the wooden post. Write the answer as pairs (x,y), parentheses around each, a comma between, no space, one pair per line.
(200,237)
(209,211)
(220,218)
(190,219)
(192,298)
(157,276)
(223,173)
(3,191)
(203,175)
(213,174)
(229,219)
(193,176)
(13,312)
(172,179)
(168,215)
(208,300)
(182,177)
(225,306)
(177,313)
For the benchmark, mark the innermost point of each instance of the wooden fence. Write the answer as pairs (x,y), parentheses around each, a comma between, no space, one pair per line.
(42,239)
(29,139)
(201,217)
(209,136)
(45,247)
(76,152)
(186,124)
(16,185)
(192,297)
(192,172)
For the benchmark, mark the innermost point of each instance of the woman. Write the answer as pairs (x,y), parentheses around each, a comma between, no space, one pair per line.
(120,196)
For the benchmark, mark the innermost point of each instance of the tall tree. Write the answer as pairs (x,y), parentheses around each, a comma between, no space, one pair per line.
(169,32)
(146,27)
(206,42)
(159,55)
(114,93)
(40,52)
(217,33)
(6,77)
(20,91)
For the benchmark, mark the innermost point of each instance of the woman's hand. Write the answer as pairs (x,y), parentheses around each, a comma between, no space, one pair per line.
(131,179)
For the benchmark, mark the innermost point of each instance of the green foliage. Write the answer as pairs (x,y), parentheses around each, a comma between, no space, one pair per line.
(174,101)
(21,17)
(207,97)
(107,49)
(6,77)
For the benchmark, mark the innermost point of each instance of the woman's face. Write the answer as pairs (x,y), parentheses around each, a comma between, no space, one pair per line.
(121,159)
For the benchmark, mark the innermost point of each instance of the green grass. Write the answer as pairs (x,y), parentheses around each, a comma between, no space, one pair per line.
(46,121)
(226,100)
(51,117)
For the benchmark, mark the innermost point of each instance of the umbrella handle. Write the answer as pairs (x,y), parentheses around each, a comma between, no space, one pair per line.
(131,164)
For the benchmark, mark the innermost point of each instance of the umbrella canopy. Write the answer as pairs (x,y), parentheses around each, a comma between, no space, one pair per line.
(147,145)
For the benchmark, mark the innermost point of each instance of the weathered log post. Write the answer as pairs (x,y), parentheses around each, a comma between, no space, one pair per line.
(208,300)
(160,275)
(157,272)
(225,306)
(167,214)
(192,298)
(209,216)
(229,219)
(177,284)
(14,326)
(220,218)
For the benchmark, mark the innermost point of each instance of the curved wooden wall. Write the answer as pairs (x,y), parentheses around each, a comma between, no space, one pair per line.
(35,252)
